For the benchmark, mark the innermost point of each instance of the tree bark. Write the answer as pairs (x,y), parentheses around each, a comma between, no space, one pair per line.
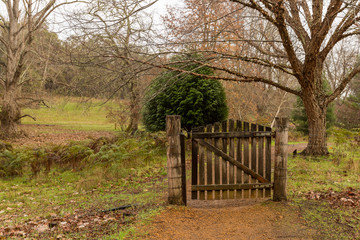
(316,115)
(10,114)
(134,108)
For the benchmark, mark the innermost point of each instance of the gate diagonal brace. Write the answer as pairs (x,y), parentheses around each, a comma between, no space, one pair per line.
(231,160)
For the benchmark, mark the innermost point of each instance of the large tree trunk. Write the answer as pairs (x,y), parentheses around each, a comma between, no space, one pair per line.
(316,116)
(134,108)
(10,114)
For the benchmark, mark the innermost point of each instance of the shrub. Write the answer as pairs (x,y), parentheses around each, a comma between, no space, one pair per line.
(117,153)
(11,164)
(198,100)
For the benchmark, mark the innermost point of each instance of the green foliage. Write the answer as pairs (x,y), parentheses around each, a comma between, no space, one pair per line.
(346,147)
(344,137)
(198,100)
(74,154)
(128,152)
(122,152)
(11,164)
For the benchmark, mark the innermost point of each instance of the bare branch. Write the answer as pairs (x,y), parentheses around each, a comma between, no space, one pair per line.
(343,84)
(26,115)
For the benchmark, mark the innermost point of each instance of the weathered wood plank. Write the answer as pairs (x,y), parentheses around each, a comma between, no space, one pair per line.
(232,160)
(253,158)
(268,162)
(231,154)
(173,152)
(201,168)
(234,134)
(281,147)
(209,165)
(217,161)
(246,159)
(239,172)
(194,166)
(183,168)
(225,194)
(261,158)
(231,186)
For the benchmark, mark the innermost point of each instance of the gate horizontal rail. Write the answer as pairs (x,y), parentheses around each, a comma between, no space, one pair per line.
(232,134)
(231,186)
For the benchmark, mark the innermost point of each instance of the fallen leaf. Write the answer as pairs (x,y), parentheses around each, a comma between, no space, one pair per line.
(42,228)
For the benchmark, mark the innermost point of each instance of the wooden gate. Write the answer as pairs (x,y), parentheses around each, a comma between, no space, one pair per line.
(231,160)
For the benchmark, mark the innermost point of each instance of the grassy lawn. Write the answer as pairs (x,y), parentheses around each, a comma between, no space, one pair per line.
(326,191)
(73,113)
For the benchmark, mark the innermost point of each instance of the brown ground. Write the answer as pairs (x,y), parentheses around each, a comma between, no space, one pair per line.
(247,220)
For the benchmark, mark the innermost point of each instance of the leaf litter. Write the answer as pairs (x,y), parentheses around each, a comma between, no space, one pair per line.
(89,224)
(349,197)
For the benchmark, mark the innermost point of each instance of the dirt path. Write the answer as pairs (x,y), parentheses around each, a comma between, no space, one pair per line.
(265,220)
(229,219)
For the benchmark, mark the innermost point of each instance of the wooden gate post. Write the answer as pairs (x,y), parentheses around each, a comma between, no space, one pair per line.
(174,168)
(281,148)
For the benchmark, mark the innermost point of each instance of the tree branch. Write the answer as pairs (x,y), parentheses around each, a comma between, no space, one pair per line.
(343,84)
(240,77)
(26,115)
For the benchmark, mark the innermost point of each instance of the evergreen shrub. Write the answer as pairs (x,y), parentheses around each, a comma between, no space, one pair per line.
(196,99)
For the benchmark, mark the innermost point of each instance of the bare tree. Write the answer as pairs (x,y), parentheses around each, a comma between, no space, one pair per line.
(18,25)
(111,32)
(305,33)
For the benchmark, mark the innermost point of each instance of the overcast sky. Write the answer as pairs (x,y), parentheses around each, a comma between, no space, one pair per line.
(159,8)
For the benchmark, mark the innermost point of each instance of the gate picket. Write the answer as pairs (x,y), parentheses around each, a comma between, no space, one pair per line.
(209,165)
(231,154)
(201,167)
(194,166)
(261,158)
(268,162)
(224,163)
(253,159)
(239,173)
(246,159)
(217,161)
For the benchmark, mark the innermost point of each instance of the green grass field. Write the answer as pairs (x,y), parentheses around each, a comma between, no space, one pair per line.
(73,113)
